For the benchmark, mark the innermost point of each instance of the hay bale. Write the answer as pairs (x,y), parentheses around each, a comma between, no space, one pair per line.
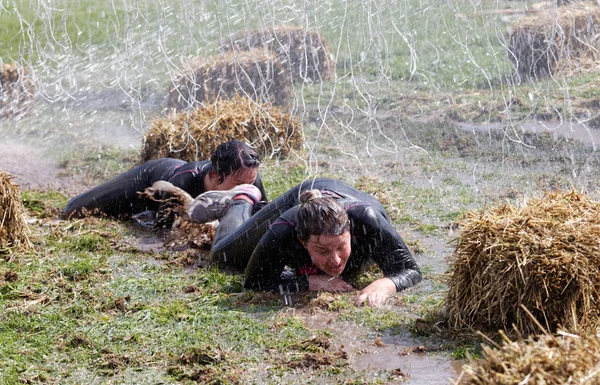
(544,256)
(14,233)
(256,74)
(193,135)
(16,90)
(550,360)
(303,51)
(558,39)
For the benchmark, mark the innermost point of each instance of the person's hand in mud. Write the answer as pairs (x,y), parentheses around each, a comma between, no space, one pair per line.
(322,282)
(376,293)
(161,187)
(174,202)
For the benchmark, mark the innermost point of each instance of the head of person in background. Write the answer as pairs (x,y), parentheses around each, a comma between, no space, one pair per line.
(323,228)
(233,163)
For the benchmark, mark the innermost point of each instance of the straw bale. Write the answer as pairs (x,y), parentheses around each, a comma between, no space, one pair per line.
(302,50)
(192,135)
(546,359)
(257,74)
(543,256)
(16,90)
(558,39)
(14,233)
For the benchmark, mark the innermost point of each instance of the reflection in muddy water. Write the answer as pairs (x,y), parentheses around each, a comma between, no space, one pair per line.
(394,354)
(419,368)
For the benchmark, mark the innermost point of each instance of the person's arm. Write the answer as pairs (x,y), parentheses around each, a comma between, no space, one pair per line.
(258,183)
(381,242)
(276,250)
(190,177)
(323,282)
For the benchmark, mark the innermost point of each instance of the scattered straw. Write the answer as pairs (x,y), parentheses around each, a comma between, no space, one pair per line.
(547,359)
(256,74)
(186,233)
(304,52)
(560,39)
(193,135)
(14,233)
(543,257)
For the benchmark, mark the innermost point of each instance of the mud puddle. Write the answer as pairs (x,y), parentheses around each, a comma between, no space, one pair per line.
(401,355)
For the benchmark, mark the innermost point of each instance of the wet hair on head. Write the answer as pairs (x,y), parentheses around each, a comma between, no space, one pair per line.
(320,215)
(233,156)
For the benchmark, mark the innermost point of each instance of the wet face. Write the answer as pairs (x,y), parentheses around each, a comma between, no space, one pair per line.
(242,176)
(329,252)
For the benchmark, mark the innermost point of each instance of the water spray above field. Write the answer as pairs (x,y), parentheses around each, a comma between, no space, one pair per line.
(356,75)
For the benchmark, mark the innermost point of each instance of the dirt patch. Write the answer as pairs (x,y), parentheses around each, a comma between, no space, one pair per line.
(32,170)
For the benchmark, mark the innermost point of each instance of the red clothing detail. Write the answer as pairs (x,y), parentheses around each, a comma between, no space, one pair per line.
(309,270)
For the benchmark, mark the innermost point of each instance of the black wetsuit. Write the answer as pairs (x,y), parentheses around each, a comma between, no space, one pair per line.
(118,196)
(266,243)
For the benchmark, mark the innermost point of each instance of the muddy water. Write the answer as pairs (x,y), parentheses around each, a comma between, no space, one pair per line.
(401,355)
(418,368)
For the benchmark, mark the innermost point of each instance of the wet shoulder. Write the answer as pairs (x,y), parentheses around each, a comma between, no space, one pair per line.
(198,166)
(365,216)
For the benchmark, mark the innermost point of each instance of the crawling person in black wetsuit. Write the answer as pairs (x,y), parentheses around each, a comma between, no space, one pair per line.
(318,236)
(232,163)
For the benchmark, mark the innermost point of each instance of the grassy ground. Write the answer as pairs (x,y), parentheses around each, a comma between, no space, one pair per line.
(89,305)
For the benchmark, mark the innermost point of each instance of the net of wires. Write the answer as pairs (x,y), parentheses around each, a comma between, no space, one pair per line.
(17,91)
(304,52)
(257,74)
(546,359)
(543,257)
(192,135)
(559,39)
(14,233)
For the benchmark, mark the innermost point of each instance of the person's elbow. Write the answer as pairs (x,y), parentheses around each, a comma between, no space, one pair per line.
(408,279)
(415,277)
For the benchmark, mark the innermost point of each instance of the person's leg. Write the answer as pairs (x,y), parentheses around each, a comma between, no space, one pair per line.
(239,231)
(118,196)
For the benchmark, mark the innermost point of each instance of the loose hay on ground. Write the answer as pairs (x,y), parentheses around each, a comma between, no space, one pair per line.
(186,233)
(303,51)
(16,90)
(257,74)
(193,135)
(547,359)
(14,233)
(564,39)
(544,256)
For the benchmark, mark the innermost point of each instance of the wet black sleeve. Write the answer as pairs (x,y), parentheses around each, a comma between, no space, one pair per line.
(258,183)
(376,238)
(190,177)
(277,249)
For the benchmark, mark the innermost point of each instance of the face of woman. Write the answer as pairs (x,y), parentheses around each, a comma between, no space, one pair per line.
(329,252)
(242,176)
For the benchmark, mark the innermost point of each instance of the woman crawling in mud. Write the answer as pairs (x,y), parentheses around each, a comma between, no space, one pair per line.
(232,163)
(318,235)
